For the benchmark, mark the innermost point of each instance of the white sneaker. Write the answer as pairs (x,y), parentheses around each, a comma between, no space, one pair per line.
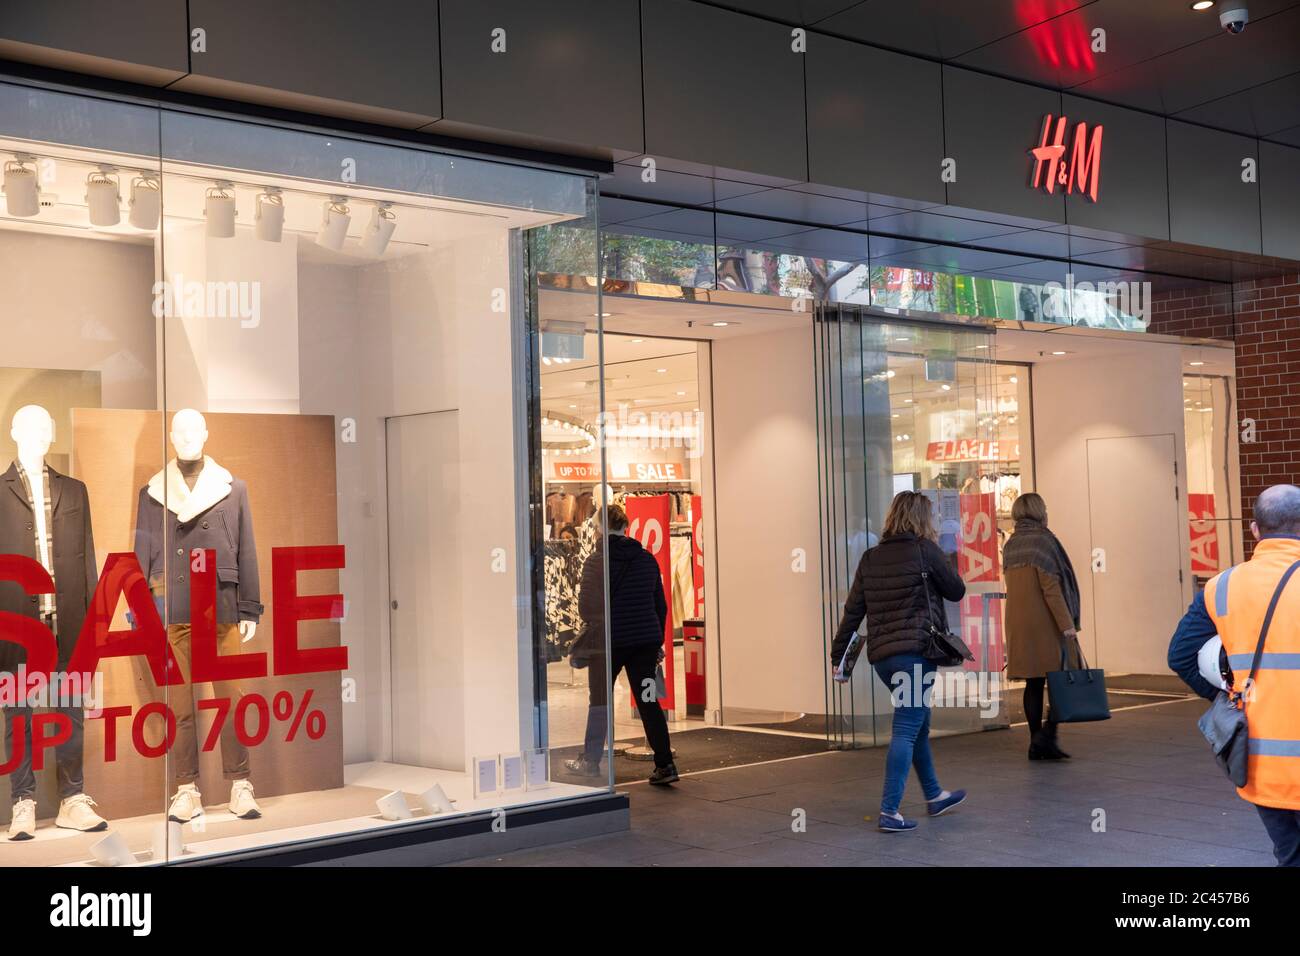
(242,803)
(75,813)
(23,824)
(186,805)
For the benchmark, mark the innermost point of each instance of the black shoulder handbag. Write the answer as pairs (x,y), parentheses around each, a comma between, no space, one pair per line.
(1224,724)
(942,646)
(1077,696)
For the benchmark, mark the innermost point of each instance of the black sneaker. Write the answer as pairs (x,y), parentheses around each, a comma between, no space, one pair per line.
(663,776)
(582,767)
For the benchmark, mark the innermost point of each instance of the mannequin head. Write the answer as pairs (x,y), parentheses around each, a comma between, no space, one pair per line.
(33,432)
(189,434)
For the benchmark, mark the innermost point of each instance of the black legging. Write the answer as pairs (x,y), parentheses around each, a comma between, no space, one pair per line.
(1034,687)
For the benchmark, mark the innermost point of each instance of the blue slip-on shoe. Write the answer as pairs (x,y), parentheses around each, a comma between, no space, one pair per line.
(941,806)
(887,824)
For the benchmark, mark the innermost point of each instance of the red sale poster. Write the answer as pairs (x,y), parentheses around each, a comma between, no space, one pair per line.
(978,564)
(697,552)
(1205,534)
(648,520)
(978,560)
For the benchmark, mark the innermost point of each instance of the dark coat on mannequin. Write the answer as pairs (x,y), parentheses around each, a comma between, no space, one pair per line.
(213,515)
(73,558)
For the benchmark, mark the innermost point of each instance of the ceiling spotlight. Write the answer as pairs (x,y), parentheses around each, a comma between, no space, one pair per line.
(146,202)
(103,198)
(1202,5)
(1195,364)
(379,230)
(720,325)
(22,196)
(219,211)
(1058,353)
(661,370)
(335,219)
(268,214)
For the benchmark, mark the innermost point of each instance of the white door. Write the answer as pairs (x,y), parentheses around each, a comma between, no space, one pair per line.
(428,713)
(1136,513)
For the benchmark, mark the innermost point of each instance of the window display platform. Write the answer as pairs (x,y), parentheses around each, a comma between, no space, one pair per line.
(285,819)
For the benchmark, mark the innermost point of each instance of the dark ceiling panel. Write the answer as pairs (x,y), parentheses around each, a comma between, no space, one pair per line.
(1059,52)
(1289,136)
(722,90)
(804,12)
(1206,70)
(1279,184)
(1259,111)
(1209,203)
(941,28)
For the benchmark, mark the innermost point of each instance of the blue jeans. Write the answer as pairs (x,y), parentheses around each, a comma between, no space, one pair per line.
(910,743)
(1283,828)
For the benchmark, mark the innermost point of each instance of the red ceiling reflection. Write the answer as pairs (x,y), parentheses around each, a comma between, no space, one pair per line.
(1062,42)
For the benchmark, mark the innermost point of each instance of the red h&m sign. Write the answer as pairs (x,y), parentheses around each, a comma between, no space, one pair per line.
(1081,171)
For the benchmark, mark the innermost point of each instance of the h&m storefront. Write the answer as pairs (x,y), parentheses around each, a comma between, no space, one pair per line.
(269,397)
(312,433)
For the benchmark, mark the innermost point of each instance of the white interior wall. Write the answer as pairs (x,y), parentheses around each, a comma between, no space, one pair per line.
(764,614)
(94,298)
(406,337)
(1135,390)
(232,362)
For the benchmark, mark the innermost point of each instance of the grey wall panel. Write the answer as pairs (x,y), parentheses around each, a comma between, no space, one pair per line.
(1133,196)
(570,73)
(872,120)
(377,61)
(722,89)
(144,41)
(990,125)
(1209,205)
(1279,182)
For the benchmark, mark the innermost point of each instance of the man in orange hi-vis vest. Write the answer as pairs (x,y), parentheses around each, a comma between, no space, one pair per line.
(1234,606)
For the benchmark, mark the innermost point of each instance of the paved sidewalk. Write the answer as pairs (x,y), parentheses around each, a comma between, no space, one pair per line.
(1165,803)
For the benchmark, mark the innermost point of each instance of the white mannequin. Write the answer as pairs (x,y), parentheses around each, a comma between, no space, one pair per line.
(33,431)
(189,435)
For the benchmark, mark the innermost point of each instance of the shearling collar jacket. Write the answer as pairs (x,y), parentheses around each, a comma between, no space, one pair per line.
(173,520)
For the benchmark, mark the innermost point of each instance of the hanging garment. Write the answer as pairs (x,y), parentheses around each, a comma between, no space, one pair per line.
(562,622)
(683,578)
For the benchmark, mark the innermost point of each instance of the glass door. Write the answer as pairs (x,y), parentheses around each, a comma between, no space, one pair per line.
(910,406)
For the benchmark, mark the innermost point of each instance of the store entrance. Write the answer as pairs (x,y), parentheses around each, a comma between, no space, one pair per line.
(710,447)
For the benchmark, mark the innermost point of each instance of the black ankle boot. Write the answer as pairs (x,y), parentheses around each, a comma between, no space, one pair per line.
(1043,747)
(1049,734)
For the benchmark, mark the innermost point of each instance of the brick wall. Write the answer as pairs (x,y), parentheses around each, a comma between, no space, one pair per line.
(1262,317)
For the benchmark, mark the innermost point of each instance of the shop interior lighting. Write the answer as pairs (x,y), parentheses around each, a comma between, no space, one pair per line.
(22,194)
(146,203)
(268,215)
(104,197)
(379,230)
(219,211)
(335,219)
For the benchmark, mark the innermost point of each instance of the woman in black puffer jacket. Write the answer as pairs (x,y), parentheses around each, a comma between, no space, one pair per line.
(890,592)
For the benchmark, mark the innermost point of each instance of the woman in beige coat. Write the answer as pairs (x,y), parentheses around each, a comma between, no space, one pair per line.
(1042,614)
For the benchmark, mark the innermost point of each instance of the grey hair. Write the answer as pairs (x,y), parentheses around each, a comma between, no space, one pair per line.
(1277,510)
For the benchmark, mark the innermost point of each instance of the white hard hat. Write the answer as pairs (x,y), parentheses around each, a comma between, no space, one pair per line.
(1207,662)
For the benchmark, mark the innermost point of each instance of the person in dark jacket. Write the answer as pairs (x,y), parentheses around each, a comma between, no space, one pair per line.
(638,613)
(899,588)
(1042,615)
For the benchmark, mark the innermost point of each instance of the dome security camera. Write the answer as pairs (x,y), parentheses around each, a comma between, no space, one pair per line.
(1234,20)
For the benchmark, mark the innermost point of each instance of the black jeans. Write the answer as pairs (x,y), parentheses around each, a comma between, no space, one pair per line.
(640,661)
(1283,828)
(68,755)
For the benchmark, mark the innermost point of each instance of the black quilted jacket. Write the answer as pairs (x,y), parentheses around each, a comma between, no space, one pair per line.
(887,591)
